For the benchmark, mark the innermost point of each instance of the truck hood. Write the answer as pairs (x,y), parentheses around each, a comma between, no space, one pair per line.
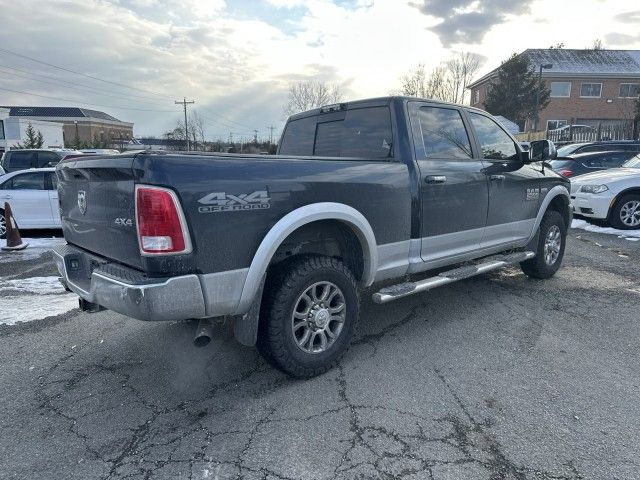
(607,176)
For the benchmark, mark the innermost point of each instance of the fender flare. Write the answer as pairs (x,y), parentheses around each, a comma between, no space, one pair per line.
(296,219)
(551,194)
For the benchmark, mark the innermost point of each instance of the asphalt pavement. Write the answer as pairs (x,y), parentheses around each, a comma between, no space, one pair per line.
(495,377)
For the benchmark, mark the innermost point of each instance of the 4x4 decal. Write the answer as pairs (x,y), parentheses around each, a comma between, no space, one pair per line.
(227,202)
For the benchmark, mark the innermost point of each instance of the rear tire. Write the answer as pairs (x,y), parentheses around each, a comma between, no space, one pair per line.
(625,214)
(309,315)
(550,249)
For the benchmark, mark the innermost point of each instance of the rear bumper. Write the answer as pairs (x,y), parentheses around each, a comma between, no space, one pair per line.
(130,293)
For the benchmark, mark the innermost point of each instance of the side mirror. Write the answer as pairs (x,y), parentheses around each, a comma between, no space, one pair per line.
(541,150)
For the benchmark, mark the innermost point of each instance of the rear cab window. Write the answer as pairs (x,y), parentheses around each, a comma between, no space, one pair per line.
(354,133)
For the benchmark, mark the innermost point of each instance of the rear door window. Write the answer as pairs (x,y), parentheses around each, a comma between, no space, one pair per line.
(47,159)
(444,134)
(26,181)
(19,159)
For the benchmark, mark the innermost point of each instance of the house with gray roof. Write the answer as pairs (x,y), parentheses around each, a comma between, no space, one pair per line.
(80,125)
(588,87)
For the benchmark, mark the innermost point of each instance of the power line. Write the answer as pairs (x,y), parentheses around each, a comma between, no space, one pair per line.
(3,72)
(77,73)
(83,103)
(75,84)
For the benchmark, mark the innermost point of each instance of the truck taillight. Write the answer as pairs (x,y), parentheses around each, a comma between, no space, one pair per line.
(160,222)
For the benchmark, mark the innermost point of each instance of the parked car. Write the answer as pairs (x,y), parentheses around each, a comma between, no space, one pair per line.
(603,146)
(359,193)
(14,160)
(611,195)
(33,198)
(570,132)
(581,163)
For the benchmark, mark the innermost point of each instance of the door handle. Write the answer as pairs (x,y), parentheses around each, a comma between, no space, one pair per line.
(435,179)
(497,177)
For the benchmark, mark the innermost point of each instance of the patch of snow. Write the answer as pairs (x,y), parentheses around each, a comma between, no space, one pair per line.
(26,308)
(33,285)
(34,298)
(631,235)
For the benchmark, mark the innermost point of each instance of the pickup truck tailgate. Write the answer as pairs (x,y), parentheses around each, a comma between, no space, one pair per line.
(97,206)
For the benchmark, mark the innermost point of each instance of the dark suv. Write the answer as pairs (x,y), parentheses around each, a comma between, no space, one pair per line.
(14,160)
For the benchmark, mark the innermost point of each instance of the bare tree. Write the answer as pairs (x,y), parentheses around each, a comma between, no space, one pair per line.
(310,94)
(448,81)
(195,130)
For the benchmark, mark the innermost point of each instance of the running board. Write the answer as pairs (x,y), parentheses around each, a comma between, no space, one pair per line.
(401,290)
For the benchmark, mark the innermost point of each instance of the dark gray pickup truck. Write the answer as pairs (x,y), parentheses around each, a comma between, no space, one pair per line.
(359,193)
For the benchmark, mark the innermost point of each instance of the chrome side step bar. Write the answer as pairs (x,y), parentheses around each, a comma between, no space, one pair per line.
(401,290)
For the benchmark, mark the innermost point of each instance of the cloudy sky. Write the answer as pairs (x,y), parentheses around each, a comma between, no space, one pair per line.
(235,58)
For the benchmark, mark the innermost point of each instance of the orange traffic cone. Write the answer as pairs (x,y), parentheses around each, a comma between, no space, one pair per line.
(14,240)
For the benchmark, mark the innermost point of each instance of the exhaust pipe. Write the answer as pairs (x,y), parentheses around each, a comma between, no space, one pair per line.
(204,332)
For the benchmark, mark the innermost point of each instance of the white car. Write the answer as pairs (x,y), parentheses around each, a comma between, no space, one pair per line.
(612,195)
(33,197)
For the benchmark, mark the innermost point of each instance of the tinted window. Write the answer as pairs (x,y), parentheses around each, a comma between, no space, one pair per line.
(494,141)
(329,139)
(47,159)
(27,181)
(443,133)
(364,132)
(21,159)
(298,137)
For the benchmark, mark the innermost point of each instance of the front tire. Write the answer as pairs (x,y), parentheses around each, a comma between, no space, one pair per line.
(626,213)
(550,248)
(309,316)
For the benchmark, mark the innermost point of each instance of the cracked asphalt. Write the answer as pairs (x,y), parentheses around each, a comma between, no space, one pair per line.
(496,377)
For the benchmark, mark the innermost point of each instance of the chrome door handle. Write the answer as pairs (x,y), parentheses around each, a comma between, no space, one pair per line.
(435,179)
(497,177)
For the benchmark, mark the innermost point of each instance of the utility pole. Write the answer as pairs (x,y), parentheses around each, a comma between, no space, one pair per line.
(186,127)
(255,137)
(536,116)
(271,129)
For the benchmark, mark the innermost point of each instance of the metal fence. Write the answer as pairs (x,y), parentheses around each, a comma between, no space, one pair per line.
(584,133)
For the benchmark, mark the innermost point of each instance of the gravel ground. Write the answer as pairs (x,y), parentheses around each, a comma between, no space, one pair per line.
(496,377)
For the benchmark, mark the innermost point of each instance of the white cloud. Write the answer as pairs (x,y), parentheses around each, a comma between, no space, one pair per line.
(236,63)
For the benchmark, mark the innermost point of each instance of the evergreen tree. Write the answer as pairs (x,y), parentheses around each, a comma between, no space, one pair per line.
(513,93)
(34,138)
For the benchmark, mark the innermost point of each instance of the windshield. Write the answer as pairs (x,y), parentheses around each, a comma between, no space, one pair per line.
(567,150)
(632,163)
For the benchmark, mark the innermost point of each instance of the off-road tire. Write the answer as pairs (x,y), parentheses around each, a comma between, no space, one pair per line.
(537,267)
(276,342)
(614,217)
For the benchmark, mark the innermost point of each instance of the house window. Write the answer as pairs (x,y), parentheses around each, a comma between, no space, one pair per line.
(553,124)
(591,90)
(560,89)
(629,90)
(476,96)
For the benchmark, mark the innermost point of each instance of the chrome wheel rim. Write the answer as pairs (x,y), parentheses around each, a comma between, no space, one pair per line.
(3,226)
(552,244)
(630,213)
(318,317)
